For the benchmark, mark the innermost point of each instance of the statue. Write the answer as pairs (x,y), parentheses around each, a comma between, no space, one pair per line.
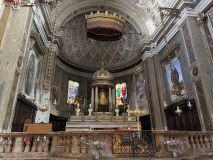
(90,110)
(125,101)
(102,100)
(117,110)
(77,110)
(80,101)
(76,100)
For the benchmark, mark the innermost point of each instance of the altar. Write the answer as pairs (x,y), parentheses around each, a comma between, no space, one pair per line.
(102,111)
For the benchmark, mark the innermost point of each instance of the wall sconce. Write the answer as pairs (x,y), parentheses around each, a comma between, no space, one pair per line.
(189,105)
(165,105)
(55,103)
(179,111)
(44,108)
(32,99)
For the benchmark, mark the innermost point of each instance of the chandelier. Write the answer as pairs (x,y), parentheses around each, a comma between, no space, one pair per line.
(104,26)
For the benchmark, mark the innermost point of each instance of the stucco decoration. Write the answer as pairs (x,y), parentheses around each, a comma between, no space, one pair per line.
(92,52)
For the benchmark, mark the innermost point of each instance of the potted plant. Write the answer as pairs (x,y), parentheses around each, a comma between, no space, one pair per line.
(97,146)
(174,146)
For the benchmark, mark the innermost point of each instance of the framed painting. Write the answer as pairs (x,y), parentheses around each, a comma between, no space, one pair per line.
(175,80)
(30,73)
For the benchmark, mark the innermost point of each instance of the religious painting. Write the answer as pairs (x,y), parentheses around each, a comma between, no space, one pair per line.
(121,92)
(175,80)
(140,89)
(73,89)
(30,73)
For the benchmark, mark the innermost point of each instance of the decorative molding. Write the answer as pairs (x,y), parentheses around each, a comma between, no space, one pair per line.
(178,22)
(173,49)
(37,41)
(188,43)
(200,17)
(197,77)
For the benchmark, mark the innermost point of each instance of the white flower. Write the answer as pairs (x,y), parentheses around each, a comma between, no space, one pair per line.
(95,143)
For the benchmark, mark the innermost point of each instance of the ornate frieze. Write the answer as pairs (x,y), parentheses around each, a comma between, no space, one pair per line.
(188,43)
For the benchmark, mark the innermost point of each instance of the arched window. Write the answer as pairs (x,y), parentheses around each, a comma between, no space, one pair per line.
(73,89)
(121,92)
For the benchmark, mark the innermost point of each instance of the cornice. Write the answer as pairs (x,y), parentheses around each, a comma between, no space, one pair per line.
(38,42)
(184,14)
(90,75)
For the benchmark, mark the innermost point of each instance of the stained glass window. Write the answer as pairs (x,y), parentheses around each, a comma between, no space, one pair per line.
(73,89)
(121,92)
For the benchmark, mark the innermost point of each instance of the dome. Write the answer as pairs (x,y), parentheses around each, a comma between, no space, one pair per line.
(102,74)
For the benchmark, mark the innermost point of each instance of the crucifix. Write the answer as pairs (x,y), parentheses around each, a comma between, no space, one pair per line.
(102,64)
(137,113)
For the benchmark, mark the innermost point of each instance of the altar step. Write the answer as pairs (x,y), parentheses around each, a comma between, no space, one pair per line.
(101,121)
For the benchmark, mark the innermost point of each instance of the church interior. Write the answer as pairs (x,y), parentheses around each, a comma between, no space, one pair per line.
(106,79)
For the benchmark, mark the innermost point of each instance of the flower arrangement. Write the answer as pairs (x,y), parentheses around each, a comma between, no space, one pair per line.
(97,146)
(174,146)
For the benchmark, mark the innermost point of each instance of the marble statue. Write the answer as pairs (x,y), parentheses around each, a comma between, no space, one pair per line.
(77,110)
(117,110)
(90,110)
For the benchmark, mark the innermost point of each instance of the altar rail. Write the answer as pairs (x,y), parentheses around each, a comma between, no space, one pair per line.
(76,144)
(60,144)
(193,142)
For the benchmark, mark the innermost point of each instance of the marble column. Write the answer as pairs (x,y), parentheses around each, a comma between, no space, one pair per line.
(160,88)
(92,98)
(96,98)
(154,105)
(110,99)
(113,99)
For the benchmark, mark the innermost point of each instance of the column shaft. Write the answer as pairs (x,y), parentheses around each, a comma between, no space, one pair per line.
(92,98)
(110,99)
(96,98)
(154,104)
(113,99)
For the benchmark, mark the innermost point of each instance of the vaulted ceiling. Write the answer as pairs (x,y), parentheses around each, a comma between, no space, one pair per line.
(142,16)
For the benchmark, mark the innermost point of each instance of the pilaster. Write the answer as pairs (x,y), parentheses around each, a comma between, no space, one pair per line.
(11,68)
(159,88)
(153,93)
(200,71)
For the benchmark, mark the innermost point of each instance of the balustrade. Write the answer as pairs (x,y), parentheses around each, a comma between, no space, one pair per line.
(71,143)
(190,140)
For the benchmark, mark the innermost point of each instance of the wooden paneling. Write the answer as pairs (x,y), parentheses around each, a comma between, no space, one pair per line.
(24,110)
(187,121)
(58,123)
(145,122)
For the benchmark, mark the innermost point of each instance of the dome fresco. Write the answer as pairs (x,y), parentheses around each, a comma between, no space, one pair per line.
(87,51)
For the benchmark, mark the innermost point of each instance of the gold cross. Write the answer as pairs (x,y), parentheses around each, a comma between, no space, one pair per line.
(137,112)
